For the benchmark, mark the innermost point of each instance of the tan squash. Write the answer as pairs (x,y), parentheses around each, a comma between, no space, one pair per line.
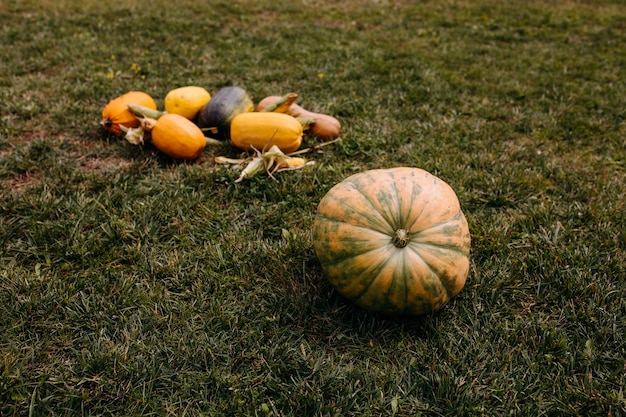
(324,126)
(116,112)
(261,130)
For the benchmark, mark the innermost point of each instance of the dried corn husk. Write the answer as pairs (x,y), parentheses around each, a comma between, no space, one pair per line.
(271,161)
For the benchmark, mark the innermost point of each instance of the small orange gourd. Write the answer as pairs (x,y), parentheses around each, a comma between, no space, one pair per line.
(116,112)
(178,137)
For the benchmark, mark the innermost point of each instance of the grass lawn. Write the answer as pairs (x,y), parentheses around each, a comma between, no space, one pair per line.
(134,284)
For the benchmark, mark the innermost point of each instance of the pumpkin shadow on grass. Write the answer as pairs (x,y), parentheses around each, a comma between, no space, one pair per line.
(333,320)
(346,321)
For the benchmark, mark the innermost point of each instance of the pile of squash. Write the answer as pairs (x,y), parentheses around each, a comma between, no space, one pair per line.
(393,241)
(192,118)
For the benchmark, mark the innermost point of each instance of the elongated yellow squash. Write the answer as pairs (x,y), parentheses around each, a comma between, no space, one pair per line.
(261,130)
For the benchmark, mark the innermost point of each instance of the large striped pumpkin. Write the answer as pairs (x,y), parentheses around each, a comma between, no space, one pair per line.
(393,241)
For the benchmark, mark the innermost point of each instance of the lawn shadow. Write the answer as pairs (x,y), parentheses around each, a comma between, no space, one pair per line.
(340,322)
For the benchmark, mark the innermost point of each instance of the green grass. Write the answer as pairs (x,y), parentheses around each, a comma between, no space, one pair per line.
(131,284)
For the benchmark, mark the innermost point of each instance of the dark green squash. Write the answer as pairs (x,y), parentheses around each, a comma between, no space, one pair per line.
(215,117)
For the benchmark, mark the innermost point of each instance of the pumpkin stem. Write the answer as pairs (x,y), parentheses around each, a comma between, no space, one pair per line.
(401,238)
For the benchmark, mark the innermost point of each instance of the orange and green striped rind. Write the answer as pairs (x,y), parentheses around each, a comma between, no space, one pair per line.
(353,240)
